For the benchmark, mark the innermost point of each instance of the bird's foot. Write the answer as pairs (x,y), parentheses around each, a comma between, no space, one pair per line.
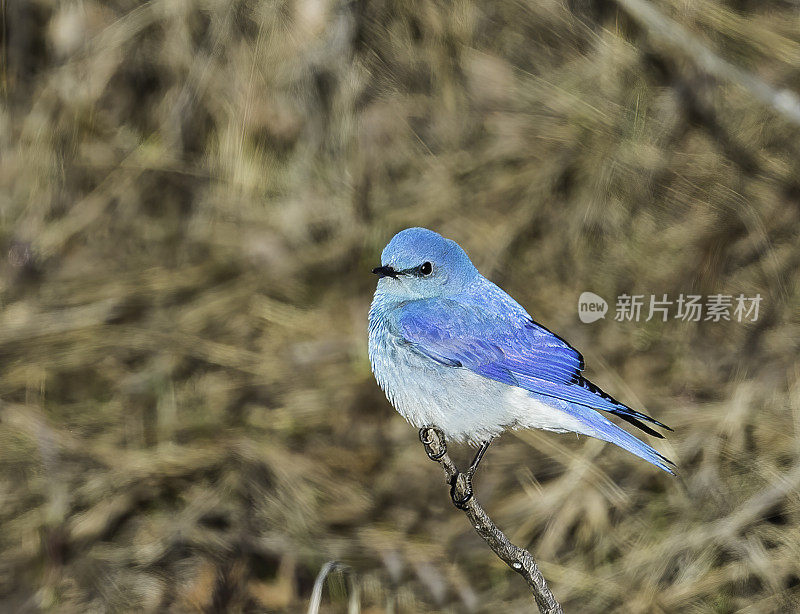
(461,489)
(432,438)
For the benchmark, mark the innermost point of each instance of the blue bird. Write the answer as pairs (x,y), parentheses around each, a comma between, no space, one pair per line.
(451,349)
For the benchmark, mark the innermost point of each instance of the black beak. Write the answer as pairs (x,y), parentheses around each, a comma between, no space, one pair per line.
(385,271)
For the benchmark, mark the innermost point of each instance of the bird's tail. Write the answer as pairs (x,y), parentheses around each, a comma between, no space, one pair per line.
(600,427)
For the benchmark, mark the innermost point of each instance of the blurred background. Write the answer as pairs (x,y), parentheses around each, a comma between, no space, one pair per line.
(193,195)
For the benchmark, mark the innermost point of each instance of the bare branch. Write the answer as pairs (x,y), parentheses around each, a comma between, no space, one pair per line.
(518,559)
(668,33)
(316,593)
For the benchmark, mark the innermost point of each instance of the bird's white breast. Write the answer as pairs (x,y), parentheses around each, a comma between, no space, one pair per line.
(465,405)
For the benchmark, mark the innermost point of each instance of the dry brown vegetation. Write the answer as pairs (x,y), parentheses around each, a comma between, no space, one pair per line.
(193,193)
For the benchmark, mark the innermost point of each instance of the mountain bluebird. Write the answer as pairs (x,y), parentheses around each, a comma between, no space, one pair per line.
(451,349)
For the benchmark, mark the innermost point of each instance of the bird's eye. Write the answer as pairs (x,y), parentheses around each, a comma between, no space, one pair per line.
(426,268)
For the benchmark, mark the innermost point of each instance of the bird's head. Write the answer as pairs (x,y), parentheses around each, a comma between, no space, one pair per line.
(419,263)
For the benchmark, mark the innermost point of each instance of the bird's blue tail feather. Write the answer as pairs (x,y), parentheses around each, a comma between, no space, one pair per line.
(602,428)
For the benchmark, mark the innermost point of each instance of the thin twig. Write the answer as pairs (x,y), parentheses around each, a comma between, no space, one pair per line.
(667,33)
(316,593)
(518,559)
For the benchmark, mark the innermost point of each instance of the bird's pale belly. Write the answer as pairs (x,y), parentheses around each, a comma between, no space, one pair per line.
(465,405)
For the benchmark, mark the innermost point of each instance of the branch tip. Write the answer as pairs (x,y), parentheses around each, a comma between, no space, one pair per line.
(518,559)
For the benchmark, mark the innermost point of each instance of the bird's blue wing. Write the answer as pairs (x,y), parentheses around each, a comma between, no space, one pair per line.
(500,346)
(506,345)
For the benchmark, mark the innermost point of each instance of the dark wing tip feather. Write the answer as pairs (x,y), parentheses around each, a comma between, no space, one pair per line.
(625,412)
(638,424)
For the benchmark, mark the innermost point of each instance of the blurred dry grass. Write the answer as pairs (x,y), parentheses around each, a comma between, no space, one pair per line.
(193,193)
